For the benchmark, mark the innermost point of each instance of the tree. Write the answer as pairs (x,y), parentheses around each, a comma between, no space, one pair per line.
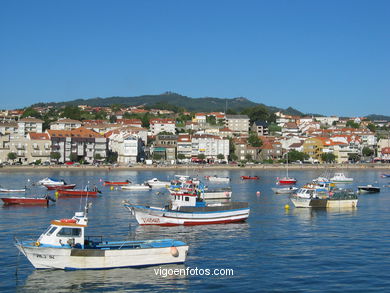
(112,157)
(367,152)
(248,157)
(294,155)
(201,156)
(211,120)
(11,156)
(273,127)
(157,156)
(220,157)
(328,157)
(257,113)
(101,115)
(181,156)
(55,156)
(97,157)
(73,157)
(352,124)
(254,140)
(113,119)
(353,158)
(233,157)
(72,112)
(145,120)
(31,112)
(371,127)
(231,112)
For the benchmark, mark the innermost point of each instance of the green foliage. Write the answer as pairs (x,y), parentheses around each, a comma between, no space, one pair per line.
(11,156)
(112,157)
(352,124)
(328,157)
(116,107)
(353,158)
(37,162)
(211,120)
(97,157)
(145,120)
(55,155)
(181,156)
(367,152)
(113,119)
(73,157)
(273,127)
(31,112)
(248,157)
(166,106)
(101,115)
(294,155)
(268,161)
(157,156)
(257,113)
(233,157)
(201,156)
(371,127)
(231,112)
(220,157)
(254,140)
(72,112)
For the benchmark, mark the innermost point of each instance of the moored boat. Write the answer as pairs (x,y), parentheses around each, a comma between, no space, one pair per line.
(285,190)
(156,183)
(368,189)
(385,175)
(286,181)
(78,193)
(16,200)
(341,178)
(342,198)
(217,179)
(250,177)
(58,187)
(51,181)
(189,209)
(117,183)
(65,246)
(5,190)
(309,197)
(136,187)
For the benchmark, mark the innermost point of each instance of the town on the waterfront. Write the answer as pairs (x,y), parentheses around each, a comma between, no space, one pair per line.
(169,135)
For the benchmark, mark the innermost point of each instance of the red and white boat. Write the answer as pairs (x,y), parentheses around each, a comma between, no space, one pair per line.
(188,209)
(250,177)
(16,200)
(77,193)
(59,187)
(116,183)
(286,181)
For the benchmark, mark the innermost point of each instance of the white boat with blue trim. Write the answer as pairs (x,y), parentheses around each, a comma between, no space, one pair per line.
(65,246)
(189,209)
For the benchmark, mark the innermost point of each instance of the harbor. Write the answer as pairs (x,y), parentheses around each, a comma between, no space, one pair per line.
(304,248)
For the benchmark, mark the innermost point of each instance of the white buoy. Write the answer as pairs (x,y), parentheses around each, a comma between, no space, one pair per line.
(258,193)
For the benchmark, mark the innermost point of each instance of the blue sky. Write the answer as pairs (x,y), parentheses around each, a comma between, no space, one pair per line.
(329,57)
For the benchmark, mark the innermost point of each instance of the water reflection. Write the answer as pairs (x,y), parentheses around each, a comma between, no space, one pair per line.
(132,279)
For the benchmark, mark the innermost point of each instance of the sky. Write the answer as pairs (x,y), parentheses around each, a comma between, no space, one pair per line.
(328,57)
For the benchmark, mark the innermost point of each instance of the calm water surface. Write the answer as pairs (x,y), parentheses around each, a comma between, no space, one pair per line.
(276,250)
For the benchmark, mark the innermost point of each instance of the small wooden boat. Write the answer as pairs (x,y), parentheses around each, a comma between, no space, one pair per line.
(368,189)
(5,190)
(118,183)
(59,187)
(77,193)
(250,177)
(15,200)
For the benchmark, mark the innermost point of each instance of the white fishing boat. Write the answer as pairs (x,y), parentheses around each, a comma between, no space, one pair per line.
(189,209)
(285,190)
(135,187)
(368,189)
(65,246)
(217,179)
(51,181)
(220,193)
(6,190)
(155,183)
(309,197)
(341,178)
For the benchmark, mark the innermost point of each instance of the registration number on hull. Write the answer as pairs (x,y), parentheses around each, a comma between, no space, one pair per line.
(151,220)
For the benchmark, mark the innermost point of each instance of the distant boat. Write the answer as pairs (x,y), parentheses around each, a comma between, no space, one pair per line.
(385,175)
(341,178)
(108,183)
(57,187)
(77,193)
(15,200)
(286,180)
(51,181)
(216,178)
(5,190)
(368,189)
(157,183)
(136,187)
(285,190)
(250,177)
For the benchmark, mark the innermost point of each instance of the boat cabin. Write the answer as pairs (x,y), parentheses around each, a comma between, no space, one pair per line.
(185,200)
(65,232)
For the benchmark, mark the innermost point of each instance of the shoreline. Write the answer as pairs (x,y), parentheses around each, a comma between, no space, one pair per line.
(6,169)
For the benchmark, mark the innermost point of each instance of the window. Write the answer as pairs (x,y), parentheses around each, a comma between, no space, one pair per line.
(187,198)
(50,230)
(70,232)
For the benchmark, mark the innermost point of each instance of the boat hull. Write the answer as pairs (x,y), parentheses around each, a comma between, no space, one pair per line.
(345,203)
(58,187)
(302,202)
(164,217)
(24,201)
(84,259)
(113,183)
(368,189)
(77,193)
(136,187)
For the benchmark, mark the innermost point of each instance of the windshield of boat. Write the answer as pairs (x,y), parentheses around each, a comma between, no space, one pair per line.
(70,232)
(50,230)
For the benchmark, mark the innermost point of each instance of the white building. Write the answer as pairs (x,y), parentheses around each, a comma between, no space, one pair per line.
(162,125)
(209,145)
(65,124)
(29,124)
(127,146)
(237,123)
